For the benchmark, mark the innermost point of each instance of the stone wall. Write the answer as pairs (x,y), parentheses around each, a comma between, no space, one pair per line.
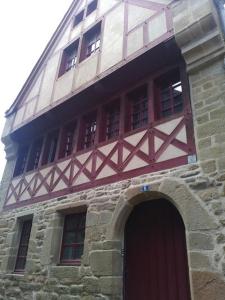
(198,197)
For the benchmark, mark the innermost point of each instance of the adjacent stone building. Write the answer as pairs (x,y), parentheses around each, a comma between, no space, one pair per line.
(114,186)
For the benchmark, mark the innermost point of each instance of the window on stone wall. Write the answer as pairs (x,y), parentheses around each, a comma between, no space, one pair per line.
(78,18)
(137,108)
(69,58)
(111,121)
(50,148)
(87,131)
(21,161)
(73,238)
(92,7)
(67,140)
(34,156)
(168,94)
(91,42)
(23,246)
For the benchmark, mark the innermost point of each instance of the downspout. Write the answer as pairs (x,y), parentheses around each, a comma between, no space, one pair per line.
(220,6)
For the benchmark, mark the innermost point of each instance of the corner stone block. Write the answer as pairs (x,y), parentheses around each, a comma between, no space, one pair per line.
(111,285)
(207,285)
(106,263)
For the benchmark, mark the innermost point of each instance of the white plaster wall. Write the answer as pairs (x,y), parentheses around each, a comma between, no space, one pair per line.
(30,109)
(63,85)
(19,116)
(105,5)
(157,27)
(35,88)
(89,20)
(86,70)
(64,39)
(76,31)
(135,40)
(48,82)
(137,15)
(112,44)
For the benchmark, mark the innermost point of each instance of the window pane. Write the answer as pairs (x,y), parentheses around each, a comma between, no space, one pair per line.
(73,237)
(23,246)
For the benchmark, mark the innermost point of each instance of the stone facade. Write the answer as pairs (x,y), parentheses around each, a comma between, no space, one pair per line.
(197,190)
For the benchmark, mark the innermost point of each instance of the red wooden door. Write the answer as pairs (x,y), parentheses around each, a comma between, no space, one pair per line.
(155,264)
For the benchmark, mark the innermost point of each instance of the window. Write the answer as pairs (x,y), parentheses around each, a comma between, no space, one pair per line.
(168,94)
(73,238)
(69,58)
(88,130)
(23,246)
(21,161)
(67,140)
(137,112)
(78,18)
(92,7)
(91,42)
(50,147)
(111,122)
(34,156)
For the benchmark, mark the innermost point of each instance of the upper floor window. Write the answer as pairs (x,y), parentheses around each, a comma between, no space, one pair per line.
(168,94)
(69,58)
(137,108)
(35,154)
(111,120)
(23,246)
(92,7)
(78,18)
(73,238)
(91,41)
(21,161)
(67,140)
(88,131)
(50,147)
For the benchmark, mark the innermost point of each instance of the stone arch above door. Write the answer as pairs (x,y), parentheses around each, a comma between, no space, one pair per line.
(195,216)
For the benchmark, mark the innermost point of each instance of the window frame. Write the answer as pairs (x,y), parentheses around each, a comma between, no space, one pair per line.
(63,137)
(73,245)
(78,18)
(69,53)
(169,76)
(47,147)
(90,38)
(26,245)
(91,7)
(91,117)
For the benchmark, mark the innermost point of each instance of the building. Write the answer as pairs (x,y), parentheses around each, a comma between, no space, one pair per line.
(114,183)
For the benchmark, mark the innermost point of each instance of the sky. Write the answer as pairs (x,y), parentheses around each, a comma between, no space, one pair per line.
(26,26)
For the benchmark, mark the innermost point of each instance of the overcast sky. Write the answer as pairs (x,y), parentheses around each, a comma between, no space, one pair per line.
(26,26)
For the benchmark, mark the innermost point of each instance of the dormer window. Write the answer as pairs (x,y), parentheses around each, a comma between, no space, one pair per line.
(91,41)
(92,7)
(78,18)
(69,58)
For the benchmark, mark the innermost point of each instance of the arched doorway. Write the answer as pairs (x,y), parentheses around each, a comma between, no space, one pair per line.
(155,262)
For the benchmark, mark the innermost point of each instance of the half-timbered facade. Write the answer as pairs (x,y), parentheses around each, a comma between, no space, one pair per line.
(114,180)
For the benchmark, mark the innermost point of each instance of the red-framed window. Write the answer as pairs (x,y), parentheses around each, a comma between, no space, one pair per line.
(168,94)
(137,108)
(88,131)
(92,7)
(34,156)
(91,41)
(69,58)
(23,246)
(111,121)
(50,147)
(73,238)
(78,18)
(67,140)
(21,161)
